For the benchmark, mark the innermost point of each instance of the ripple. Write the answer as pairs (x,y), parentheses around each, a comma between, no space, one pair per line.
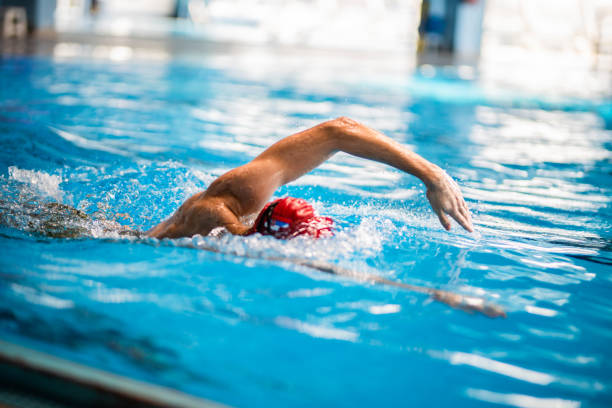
(40,298)
(318,331)
(498,367)
(125,144)
(520,400)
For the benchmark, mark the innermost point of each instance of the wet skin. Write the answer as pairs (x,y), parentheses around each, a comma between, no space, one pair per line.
(244,191)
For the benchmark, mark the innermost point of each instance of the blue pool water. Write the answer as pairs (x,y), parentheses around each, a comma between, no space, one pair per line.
(127,142)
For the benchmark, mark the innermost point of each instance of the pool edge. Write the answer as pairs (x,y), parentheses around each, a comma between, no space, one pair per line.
(26,371)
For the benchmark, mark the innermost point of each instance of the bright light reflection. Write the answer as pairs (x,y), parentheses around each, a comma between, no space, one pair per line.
(86,143)
(540,311)
(121,27)
(508,370)
(67,50)
(547,47)
(375,24)
(316,330)
(306,293)
(115,295)
(520,400)
(33,296)
(384,309)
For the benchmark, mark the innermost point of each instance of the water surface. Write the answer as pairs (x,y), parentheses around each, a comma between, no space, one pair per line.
(127,142)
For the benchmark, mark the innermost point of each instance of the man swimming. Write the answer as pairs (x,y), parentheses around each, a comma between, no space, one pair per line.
(244,191)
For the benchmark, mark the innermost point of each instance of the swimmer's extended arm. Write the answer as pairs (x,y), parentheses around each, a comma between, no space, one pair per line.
(246,189)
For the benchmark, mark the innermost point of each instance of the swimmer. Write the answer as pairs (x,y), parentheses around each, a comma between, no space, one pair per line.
(244,191)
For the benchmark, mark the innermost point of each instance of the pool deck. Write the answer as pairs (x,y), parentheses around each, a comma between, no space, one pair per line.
(44,43)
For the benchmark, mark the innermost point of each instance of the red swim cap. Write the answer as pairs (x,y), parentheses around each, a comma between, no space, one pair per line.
(289,217)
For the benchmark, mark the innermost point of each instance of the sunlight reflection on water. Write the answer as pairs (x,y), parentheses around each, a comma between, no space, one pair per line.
(126,144)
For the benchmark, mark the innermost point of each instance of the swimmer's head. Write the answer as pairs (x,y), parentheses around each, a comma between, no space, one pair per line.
(290,217)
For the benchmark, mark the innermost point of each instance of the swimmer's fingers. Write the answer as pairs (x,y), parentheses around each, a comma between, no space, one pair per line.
(465,211)
(458,208)
(456,212)
(463,208)
(445,198)
(435,200)
(462,216)
(443,219)
(468,218)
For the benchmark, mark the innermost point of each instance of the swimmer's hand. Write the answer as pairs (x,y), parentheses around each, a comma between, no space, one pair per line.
(445,198)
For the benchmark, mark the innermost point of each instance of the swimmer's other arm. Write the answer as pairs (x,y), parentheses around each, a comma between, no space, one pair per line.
(246,189)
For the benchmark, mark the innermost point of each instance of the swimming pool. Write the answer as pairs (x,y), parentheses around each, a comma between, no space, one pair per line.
(129,141)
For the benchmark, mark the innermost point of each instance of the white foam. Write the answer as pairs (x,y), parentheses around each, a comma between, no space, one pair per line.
(46,185)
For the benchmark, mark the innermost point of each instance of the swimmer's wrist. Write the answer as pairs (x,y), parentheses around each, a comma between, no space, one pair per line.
(432,175)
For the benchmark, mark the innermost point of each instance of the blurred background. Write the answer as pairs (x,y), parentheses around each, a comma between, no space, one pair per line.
(543,33)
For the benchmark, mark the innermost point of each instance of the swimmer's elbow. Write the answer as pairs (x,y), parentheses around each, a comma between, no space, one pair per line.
(342,125)
(343,130)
